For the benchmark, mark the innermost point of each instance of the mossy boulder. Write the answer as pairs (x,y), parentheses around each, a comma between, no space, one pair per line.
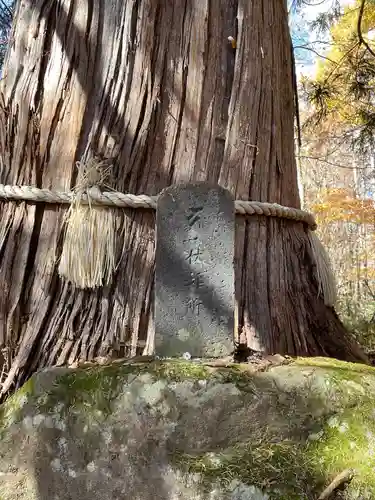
(184,430)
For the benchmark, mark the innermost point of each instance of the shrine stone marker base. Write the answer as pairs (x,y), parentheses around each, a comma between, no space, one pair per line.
(194,275)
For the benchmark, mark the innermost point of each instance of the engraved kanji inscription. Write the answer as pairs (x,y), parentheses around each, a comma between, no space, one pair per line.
(193,215)
(195,280)
(193,255)
(191,238)
(194,305)
(194,275)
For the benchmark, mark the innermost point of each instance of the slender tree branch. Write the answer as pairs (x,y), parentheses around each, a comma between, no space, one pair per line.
(359,28)
(6,8)
(340,62)
(317,42)
(322,160)
(369,289)
(6,14)
(344,478)
(315,52)
(6,21)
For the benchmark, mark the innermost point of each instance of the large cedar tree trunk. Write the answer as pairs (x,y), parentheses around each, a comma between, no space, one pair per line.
(155,86)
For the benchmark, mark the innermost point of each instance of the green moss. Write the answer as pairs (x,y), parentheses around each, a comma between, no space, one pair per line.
(27,389)
(341,371)
(237,375)
(292,469)
(348,441)
(330,363)
(298,468)
(98,386)
(279,458)
(178,370)
(11,410)
(89,388)
(275,467)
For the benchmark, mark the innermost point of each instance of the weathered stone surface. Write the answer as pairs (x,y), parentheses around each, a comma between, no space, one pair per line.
(194,282)
(183,431)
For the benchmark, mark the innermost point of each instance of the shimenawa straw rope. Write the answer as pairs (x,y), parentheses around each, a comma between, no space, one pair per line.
(88,256)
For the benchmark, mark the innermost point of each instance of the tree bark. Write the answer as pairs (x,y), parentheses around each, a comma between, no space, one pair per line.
(155,86)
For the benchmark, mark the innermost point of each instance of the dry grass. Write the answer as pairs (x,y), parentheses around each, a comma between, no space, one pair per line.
(88,258)
(326,278)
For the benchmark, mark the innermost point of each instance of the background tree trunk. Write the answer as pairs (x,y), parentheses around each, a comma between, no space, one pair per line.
(155,86)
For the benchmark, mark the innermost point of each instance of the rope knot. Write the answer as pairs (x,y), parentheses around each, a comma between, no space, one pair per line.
(93,176)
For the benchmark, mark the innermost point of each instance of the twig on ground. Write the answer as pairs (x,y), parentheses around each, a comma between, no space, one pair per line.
(339,482)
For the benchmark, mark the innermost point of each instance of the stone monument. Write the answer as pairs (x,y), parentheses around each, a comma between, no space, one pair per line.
(194,275)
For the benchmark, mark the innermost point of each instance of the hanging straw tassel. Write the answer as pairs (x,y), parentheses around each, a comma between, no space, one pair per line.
(326,278)
(88,255)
